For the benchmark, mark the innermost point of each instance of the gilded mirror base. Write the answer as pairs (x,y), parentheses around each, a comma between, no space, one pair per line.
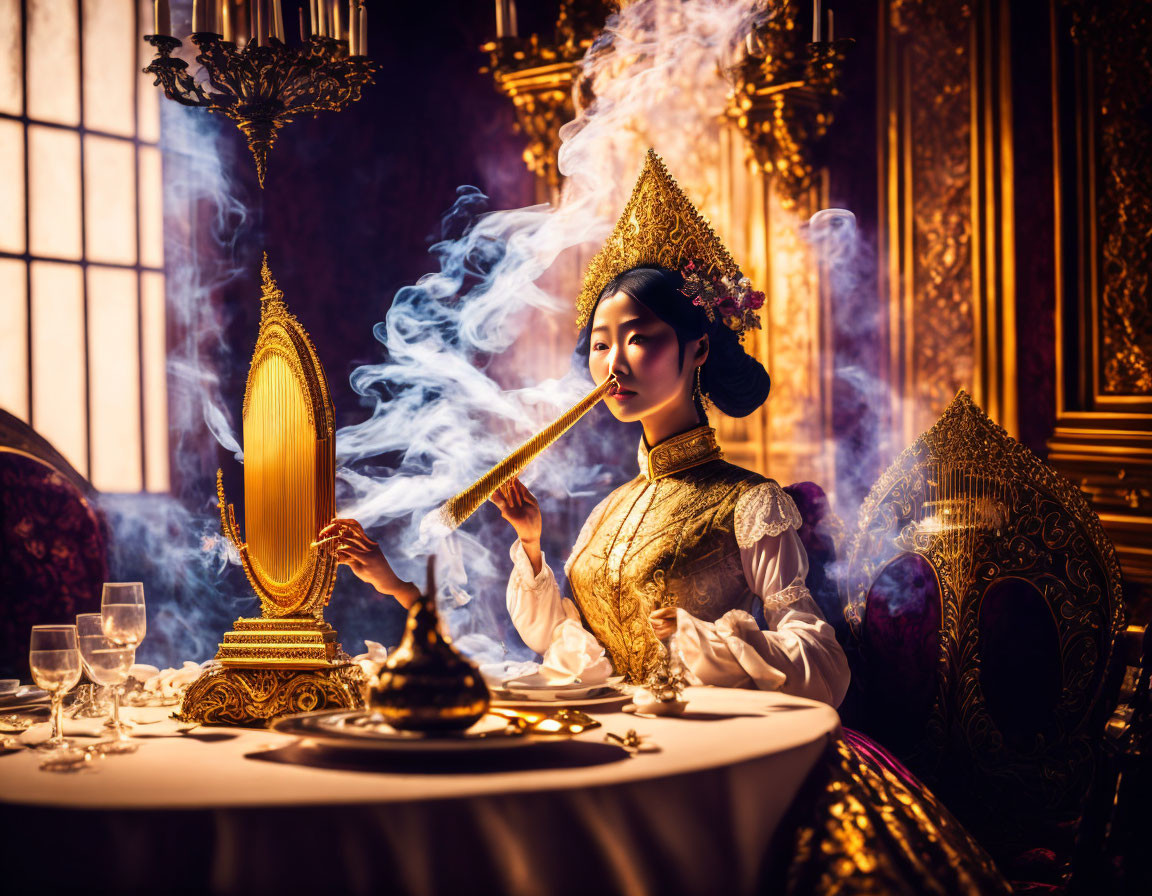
(285,642)
(253,697)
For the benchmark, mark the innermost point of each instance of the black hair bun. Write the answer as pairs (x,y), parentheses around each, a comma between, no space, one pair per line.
(735,381)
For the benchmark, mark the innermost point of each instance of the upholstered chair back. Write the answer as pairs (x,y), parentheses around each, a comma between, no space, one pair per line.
(52,545)
(819,533)
(984,603)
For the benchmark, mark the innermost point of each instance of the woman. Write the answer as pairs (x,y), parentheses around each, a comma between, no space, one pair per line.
(692,546)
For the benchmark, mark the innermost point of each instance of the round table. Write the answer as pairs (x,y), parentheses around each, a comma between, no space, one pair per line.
(249,811)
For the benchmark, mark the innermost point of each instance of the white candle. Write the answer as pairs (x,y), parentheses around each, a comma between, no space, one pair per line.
(226,20)
(260,23)
(279,19)
(831,35)
(815,21)
(513,26)
(337,24)
(362,33)
(501,29)
(352,27)
(197,16)
(161,18)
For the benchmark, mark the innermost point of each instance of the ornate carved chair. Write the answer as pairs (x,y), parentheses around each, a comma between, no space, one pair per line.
(985,608)
(52,544)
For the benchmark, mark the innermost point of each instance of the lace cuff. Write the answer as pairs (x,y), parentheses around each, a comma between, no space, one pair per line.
(781,599)
(522,575)
(763,510)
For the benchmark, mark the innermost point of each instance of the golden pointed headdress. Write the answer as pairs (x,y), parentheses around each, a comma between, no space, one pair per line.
(658,226)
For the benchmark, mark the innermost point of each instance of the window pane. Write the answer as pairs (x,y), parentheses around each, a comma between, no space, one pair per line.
(54,166)
(109,200)
(148,98)
(53,64)
(12,186)
(59,409)
(151,209)
(13,338)
(11,64)
(109,37)
(155,381)
(114,380)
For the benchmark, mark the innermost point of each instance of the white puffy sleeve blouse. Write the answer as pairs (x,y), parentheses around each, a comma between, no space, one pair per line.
(796,653)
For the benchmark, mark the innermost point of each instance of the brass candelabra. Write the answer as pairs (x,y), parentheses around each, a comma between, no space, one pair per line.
(784,92)
(261,87)
(542,77)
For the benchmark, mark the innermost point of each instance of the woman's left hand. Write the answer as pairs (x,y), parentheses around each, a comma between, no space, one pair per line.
(663,622)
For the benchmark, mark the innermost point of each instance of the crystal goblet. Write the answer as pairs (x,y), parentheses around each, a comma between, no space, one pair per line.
(107,664)
(122,613)
(55,662)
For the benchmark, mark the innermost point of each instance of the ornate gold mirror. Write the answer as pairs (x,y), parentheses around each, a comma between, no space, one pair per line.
(289,467)
(287,659)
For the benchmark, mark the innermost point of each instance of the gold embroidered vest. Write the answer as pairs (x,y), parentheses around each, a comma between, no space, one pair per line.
(665,539)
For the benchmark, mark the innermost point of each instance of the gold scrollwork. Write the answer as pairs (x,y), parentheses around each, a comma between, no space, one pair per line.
(228,696)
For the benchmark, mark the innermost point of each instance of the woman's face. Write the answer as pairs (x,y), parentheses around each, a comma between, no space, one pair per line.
(628,340)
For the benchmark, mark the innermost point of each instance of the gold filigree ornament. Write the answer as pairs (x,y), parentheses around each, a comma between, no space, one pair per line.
(660,226)
(287,660)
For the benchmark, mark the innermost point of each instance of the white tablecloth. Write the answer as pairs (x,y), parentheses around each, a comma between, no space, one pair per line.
(246,811)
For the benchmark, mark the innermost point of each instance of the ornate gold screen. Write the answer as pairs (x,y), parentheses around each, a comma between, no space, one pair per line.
(287,660)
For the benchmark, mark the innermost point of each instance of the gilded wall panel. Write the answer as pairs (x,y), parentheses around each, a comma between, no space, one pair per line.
(1102,141)
(935,165)
(1119,59)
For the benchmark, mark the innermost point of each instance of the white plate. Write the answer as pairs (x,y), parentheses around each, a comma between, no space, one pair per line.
(26,694)
(507,698)
(362,730)
(536,687)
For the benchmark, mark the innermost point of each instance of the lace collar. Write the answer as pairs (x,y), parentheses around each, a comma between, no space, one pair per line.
(678,453)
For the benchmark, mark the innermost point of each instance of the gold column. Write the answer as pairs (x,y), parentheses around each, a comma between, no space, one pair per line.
(789,438)
(782,102)
(946,209)
(1101,90)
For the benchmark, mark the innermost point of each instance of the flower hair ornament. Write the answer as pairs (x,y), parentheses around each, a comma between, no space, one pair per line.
(735,304)
(660,226)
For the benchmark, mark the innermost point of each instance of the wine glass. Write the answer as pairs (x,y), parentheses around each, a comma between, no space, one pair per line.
(107,664)
(55,662)
(92,701)
(122,613)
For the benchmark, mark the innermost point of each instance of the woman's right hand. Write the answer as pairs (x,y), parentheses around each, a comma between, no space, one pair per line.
(363,556)
(519,507)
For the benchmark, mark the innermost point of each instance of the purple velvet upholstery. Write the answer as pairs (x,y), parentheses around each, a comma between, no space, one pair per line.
(899,649)
(52,558)
(816,536)
(1020,669)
